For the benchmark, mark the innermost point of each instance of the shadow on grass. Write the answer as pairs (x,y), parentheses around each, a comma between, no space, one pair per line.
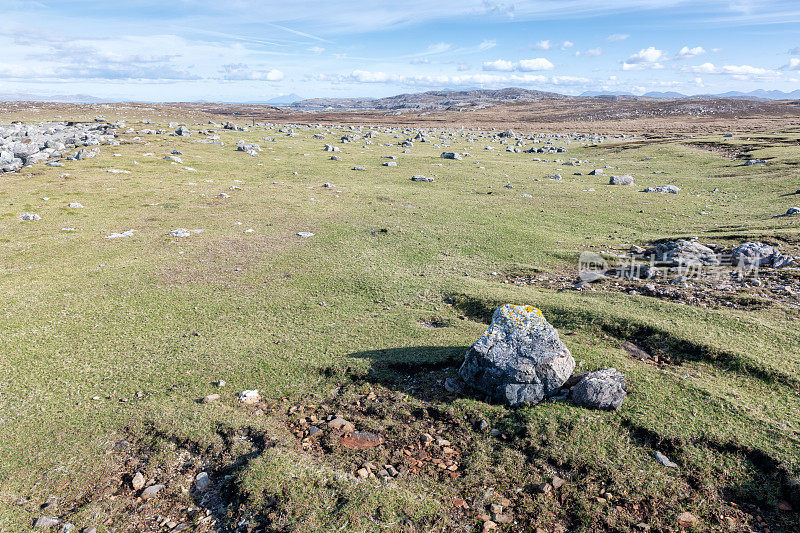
(417,370)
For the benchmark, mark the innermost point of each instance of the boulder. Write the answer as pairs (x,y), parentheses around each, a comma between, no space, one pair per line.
(683,253)
(603,389)
(753,254)
(757,254)
(451,155)
(519,359)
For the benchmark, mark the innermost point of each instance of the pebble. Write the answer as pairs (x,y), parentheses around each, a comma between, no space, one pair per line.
(211,398)
(138,481)
(46,522)
(202,481)
(151,491)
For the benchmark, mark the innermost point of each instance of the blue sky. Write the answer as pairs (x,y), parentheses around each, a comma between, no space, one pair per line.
(248,50)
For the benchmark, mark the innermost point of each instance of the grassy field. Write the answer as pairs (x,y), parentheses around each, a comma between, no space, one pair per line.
(108,344)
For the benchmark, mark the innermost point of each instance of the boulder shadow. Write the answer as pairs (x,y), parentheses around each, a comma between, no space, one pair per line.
(419,371)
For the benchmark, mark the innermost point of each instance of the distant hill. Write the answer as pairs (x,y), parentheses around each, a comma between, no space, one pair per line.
(60,98)
(434,100)
(759,94)
(285,99)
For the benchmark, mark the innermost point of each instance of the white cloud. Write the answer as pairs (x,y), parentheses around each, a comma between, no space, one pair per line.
(543,45)
(739,72)
(687,52)
(420,61)
(539,63)
(794,64)
(592,52)
(617,37)
(524,65)
(462,67)
(567,44)
(500,64)
(486,44)
(241,72)
(645,58)
(494,80)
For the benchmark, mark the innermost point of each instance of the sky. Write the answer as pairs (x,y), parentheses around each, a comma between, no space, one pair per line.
(249,50)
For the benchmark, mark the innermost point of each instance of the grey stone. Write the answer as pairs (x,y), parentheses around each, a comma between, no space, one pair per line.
(603,389)
(664,460)
(671,189)
(519,359)
(202,481)
(46,522)
(420,177)
(451,155)
(183,131)
(151,491)
(621,180)
(682,253)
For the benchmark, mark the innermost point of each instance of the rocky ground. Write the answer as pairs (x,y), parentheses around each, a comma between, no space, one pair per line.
(349,282)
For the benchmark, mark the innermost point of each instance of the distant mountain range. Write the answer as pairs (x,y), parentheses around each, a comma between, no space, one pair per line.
(438,100)
(60,98)
(759,94)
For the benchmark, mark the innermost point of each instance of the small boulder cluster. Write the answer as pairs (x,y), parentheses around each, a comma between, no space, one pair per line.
(520,359)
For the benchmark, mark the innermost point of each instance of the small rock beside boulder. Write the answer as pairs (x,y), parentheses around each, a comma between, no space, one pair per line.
(603,389)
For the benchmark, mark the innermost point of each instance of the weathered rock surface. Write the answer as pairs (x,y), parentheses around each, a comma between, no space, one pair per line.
(758,254)
(603,389)
(683,253)
(621,180)
(519,359)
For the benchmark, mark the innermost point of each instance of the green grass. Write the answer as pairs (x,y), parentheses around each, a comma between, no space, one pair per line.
(83,317)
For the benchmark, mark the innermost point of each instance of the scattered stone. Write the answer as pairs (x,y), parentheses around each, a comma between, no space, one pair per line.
(75,205)
(664,460)
(202,481)
(519,359)
(341,424)
(249,396)
(211,398)
(128,233)
(451,155)
(687,520)
(603,389)
(621,180)
(46,522)
(304,234)
(596,172)
(420,177)
(663,189)
(180,232)
(29,216)
(360,440)
(138,481)
(454,385)
(151,491)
